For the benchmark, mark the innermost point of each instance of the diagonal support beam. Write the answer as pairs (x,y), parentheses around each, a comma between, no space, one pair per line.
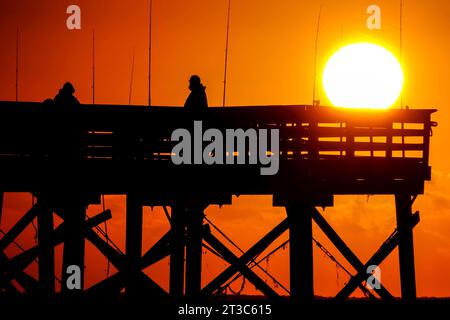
(157,252)
(17,264)
(386,249)
(242,268)
(115,257)
(22,260)
(118,261)
(259,247)
(106,288)
(346,251)
(27,282)
(18,228)
(11,289)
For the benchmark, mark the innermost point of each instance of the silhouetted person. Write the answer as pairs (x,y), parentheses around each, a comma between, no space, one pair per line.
(65,96)
(66,133)
(48,102)
(196,100)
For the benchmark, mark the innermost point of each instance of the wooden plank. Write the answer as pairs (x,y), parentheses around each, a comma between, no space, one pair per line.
(367,146)
(367,132)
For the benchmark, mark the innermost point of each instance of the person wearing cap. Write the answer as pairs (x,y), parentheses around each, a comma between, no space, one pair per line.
(196,101)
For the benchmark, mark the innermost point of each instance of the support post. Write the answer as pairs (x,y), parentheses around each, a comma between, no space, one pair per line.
(73,254)
(194,253)
(176,282)
(133,245)
(403,205)
(1,206)
(46,250)
(301,253)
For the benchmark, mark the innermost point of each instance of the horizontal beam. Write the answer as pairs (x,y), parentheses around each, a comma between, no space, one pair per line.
(324,177)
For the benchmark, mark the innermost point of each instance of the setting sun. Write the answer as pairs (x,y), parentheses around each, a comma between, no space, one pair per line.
(363,75)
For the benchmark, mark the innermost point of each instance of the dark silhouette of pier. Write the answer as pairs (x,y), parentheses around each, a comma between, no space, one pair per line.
(68,157)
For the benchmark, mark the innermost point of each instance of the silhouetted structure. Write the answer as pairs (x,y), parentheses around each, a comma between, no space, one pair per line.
(323,152)
(197,100)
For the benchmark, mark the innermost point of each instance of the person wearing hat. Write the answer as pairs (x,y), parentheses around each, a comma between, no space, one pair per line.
(196,100)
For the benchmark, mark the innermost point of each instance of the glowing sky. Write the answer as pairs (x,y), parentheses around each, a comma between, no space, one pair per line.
(271,58)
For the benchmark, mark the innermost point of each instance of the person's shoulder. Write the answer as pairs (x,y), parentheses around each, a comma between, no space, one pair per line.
(74,100)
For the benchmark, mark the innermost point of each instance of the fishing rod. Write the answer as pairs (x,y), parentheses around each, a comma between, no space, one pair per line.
(226,55)
(93,66)
(17,64)
(315,56)
(131,79)
(149,53)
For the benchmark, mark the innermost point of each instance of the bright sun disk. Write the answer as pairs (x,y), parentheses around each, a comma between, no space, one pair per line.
(363,75)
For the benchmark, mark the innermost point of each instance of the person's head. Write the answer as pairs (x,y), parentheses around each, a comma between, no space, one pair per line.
(68,88)
(195,83)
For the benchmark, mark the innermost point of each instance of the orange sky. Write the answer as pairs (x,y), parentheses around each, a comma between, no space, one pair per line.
(271,57)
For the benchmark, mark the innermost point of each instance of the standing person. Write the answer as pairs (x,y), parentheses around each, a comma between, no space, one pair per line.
(67,138)
(196,100)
